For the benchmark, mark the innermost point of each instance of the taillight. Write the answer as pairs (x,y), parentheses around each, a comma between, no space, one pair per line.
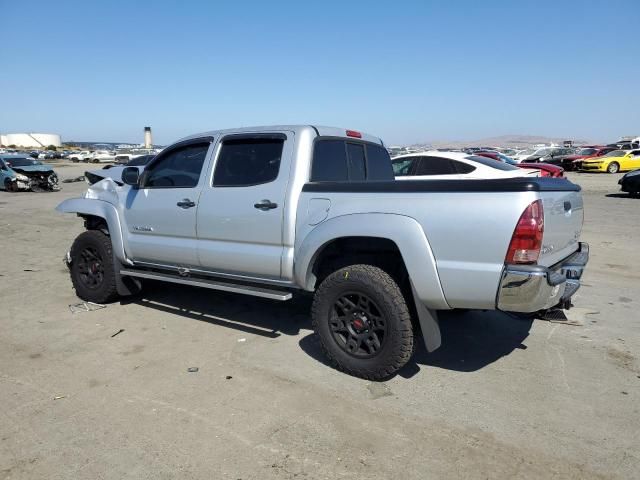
(354,134)
(526,241)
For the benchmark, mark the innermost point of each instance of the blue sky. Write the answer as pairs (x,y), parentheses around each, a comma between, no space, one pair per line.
(405,71)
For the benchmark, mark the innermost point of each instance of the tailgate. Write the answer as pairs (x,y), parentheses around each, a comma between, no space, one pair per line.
(563,217)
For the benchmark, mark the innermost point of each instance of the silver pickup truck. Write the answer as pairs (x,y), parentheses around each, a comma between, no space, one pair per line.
(271,211)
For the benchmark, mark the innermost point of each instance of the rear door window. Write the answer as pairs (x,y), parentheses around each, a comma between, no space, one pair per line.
(435,166)
(245,162)
(463,167)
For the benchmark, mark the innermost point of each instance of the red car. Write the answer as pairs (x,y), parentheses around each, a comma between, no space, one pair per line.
(546,169)
(574,162)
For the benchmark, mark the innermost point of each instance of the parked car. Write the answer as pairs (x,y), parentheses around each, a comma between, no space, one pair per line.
(18,172)
(547,154)
(82,156)
(273,211)
(528,152)
(545,169)
(436,165)
(613,162)
(574,160)
(630,182)
(101,156)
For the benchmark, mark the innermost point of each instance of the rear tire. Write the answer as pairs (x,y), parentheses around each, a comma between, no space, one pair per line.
(92,272)
(363,322)
(613,167)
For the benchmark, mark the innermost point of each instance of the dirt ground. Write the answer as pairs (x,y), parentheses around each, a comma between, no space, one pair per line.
(503,397)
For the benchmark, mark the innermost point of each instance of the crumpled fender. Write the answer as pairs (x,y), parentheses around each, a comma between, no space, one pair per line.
(102,209)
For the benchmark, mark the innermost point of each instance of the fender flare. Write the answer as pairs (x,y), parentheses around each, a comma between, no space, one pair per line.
(404,231)
(102,209)
(99,208)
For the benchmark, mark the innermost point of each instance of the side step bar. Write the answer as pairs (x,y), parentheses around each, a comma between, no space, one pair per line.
(281,295)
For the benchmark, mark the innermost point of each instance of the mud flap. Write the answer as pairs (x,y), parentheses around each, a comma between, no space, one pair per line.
(428,324)
(125,286)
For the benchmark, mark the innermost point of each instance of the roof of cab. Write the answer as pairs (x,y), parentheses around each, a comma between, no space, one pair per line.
(317,130)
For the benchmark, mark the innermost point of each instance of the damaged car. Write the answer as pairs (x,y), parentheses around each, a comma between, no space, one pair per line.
(25,173)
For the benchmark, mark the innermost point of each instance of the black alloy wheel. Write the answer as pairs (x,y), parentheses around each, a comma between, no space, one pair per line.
(91,268)
(357,325)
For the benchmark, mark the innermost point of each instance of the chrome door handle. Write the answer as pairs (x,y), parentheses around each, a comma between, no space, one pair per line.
(265,205)
(186,203)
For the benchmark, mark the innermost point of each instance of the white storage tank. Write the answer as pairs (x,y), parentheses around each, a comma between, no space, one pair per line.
(35,140)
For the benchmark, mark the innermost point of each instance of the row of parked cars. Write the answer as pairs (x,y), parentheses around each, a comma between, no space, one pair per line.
(493,164)
(600,158)
(107,156)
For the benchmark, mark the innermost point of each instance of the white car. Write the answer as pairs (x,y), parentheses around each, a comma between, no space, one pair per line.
(536,153)
(435,165)
(82,156)
(102,156)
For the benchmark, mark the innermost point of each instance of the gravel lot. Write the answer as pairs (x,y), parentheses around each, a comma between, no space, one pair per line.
(503,398)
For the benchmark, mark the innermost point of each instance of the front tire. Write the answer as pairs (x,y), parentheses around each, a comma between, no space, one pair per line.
(613,167)
(92,272)
(363,322)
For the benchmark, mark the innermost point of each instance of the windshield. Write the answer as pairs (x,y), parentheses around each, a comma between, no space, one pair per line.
(616,153)
(544,151)
(490,162)
(21,162)
(587,151)
(528,151)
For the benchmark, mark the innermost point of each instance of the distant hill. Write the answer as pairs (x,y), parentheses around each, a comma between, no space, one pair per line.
(501,141)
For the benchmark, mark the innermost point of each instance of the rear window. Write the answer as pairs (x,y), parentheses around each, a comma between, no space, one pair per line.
(490,162)
(329,162)
(342,160)
(357,160)
(378,163)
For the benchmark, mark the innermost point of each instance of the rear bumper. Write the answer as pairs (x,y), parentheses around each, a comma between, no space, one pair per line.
(530,288)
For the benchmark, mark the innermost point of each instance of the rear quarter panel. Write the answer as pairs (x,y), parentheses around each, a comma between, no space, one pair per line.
(467,232)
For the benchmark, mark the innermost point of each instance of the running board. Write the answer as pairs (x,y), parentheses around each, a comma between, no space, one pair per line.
(281,295)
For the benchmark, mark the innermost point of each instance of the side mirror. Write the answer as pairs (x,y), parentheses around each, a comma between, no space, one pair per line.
(131,176)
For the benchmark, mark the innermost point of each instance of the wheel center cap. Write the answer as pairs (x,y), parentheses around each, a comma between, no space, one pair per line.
(359,323)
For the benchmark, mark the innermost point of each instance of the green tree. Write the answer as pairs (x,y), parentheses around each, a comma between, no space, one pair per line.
(52,148)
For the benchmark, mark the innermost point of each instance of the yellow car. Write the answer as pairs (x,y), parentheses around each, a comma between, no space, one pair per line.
(613,162)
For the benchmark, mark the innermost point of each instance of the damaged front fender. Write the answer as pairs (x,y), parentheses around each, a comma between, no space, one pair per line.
(88,207)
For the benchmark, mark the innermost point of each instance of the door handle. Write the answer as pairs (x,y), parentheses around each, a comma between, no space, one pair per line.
(265,205)
(186,203)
